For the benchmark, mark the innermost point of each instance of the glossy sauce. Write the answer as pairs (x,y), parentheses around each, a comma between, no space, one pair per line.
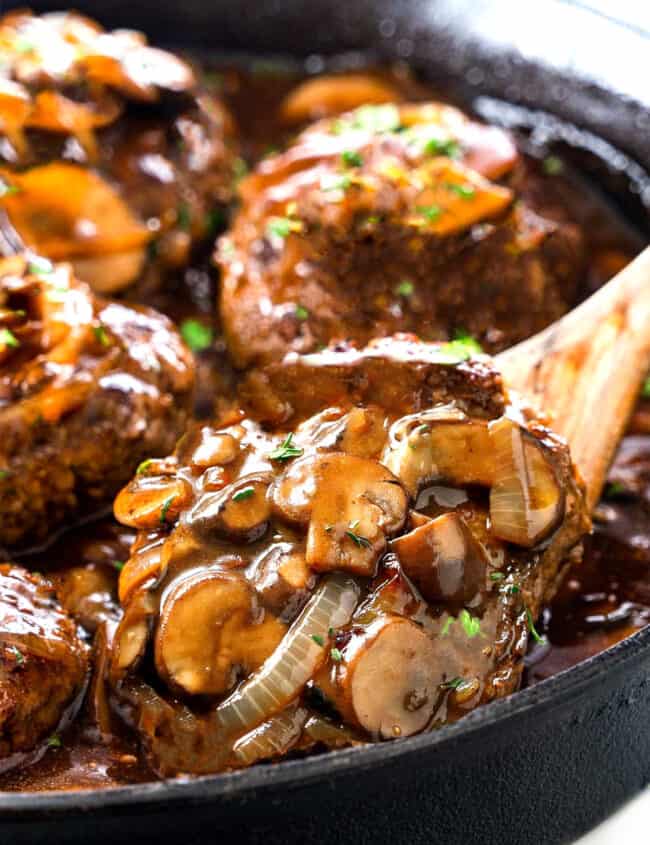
(603,600)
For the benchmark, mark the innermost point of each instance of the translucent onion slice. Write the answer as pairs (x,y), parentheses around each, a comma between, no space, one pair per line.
(526,501)
(272,738)
(294,662)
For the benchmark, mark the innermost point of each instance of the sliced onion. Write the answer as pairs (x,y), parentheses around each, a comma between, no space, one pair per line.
(272,738)
(526,501)
(297,658)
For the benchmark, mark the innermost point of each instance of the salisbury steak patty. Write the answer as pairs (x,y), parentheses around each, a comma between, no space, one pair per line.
(376,560)
(385,220)
(87,389)
(113,157)
(43,663)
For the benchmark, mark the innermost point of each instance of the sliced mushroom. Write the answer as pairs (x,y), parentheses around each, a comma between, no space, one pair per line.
(214,449)
(443,559)
(240,511)
(292,494)
(282,577)
(206,632)
(526,500)
(386,680)
(151,501)
(132,634)
(361,432)
(329,95)
(441,445)
(358,504)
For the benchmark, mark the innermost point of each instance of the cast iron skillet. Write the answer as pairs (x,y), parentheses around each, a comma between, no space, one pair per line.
(550,762)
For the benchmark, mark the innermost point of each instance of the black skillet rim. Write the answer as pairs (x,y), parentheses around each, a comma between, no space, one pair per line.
(559,689)
(563,687)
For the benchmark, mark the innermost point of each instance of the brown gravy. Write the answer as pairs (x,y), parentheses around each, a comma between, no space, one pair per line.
(603,600)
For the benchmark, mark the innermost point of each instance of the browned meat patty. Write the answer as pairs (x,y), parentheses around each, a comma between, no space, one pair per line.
(88,388)
(385,220)
(43,664)
(378,554)
(114,157)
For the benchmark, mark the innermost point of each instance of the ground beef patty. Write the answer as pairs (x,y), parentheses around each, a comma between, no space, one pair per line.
(88,388)
(384,220)
(43,663)
(113,157)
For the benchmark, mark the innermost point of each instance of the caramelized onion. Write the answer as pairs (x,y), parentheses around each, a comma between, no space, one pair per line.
(294,662)
(526,501)
(271,739)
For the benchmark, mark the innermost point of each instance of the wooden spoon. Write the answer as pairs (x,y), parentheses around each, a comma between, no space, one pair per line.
(586,369)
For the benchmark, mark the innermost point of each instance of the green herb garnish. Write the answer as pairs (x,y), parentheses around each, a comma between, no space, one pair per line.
(18,655)
(429,212)
(165,508)
(405,288)
(449,621)
(39,267)
(279,227)
(351,158)
(54,741)
(215,220)
(196,335)
(497,576)
(183,217)
(511,590)
(614,489)
(119,565)
(336,655)
(471,625)
(357,539)
(8,338)
(242,495)
(318,640)
(439,147)
(454,683)
(375,119)
(8,190)
(531,627)
(4,473)
(301,313)
(101,336)
(335,182)
(467,192)
(286,450)
(553,165)
(144,466)
(645,390)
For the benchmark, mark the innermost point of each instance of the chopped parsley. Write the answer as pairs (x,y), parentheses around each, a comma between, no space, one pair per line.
(454,683)
(645,390)
(18,655)
(405,288)
(54,741)
(7,190)
(497,576)
(511,590)
(467,192)
(372,220)
(301,313)
(242,495)
(119,565)
(196,335)
(8,338)
(335,182)
(286,450)
(351,158)
(39,267)
(375,119)
(239,169)
(471,625)
(143,466)
(531,627)
(430,212)
(553,165)
(101,336)
(318,640)
(462,347)
(449,621)
(183,217)
(442,147)
(165,508)
(336,655)
(279,227)
(614,489)
(4,473)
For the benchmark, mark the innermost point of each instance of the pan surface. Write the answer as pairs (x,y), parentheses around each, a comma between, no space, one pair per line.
(549,763)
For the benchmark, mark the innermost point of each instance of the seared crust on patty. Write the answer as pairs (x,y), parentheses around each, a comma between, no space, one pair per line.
(88,389)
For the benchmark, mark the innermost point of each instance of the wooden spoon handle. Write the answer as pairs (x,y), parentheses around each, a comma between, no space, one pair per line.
(586,369)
